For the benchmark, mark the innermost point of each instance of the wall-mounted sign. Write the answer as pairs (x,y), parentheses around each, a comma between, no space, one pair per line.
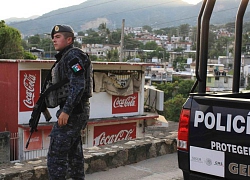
(125,104)
(29,84)
(112,133)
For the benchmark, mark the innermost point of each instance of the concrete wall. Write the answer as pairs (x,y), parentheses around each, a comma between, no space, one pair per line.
(4,147)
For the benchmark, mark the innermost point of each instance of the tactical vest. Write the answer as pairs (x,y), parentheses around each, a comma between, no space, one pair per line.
(59,96)
(88,91)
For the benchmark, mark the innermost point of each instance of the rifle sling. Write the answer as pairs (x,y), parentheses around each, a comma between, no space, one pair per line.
(54,87)
(49,74)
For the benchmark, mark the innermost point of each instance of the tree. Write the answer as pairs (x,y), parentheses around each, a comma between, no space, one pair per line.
(245,41)
(34,40)
(172,107)
(25,44)
(27,55)
(10,42)
(175,95)
(112,55)
(184,87)
(179,62)
(47,45)
(148,28)
(130,43)
(150,45)
(184,30)
(114,37)
(93,37)
(168,89)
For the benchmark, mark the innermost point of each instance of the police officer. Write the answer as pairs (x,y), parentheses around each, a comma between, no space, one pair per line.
(65,156)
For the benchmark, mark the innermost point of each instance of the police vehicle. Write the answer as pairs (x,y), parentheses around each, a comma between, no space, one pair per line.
(214,128)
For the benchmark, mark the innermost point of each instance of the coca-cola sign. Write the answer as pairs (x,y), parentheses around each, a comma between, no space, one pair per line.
(125,104)
(113,133)
(35,141)
(29,89)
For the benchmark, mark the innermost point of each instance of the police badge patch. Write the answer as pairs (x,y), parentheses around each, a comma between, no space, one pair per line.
(75,66)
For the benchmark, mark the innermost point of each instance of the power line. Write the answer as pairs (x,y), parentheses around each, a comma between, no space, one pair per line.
(108,14)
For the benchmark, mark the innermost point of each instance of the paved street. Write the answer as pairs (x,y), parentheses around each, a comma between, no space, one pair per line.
(159,168)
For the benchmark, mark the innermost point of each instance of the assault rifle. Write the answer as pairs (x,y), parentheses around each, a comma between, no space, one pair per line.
(40,107)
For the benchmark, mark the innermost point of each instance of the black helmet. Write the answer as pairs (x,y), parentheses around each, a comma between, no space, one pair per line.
(61,28)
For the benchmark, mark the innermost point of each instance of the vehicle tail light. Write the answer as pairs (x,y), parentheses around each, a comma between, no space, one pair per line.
(182,143)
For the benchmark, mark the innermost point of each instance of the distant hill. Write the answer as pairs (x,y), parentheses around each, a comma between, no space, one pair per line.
(155,13)
(15,19)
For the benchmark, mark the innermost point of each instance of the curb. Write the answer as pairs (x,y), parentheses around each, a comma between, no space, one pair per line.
(97,159)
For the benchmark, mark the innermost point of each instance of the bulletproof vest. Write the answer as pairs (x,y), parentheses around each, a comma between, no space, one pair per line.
(56,97)
(88,91)
(63,92)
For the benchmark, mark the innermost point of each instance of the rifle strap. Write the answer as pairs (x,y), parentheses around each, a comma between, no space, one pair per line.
(54,87)
(48,77)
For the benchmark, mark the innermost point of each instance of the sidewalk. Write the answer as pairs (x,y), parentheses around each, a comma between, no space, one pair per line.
(103,157)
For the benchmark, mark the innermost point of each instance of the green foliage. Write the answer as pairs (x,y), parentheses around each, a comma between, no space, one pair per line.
(34,40)
(114,37)
(168,88)
(150,45)
(170,31)
(172,107)
(112,55)
(25,45)
(28,55)
(184,87)
(46,44)
(148,28)
(175,95)
(159,52)
(93,57)
(10,42)
(93,39)
(220,46)
(130,43)
(179,62)
(184,30)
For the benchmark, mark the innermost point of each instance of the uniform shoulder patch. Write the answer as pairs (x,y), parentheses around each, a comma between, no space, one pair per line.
(76,67)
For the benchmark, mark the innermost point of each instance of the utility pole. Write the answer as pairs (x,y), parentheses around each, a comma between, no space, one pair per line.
(122,41)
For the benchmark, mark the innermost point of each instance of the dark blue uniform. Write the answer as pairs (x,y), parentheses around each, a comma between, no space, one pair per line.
(65,155)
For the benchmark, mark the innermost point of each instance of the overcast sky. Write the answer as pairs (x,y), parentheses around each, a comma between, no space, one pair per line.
(28,8)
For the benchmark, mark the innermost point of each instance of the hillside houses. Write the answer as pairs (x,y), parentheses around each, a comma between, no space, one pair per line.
(99,50)
(163,41)
(175,46)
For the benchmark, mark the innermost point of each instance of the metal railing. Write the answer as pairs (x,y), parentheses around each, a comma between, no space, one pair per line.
(14,147)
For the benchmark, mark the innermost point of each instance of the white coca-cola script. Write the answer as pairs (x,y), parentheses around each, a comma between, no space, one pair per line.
(103,139)
(29,85)
(124,102)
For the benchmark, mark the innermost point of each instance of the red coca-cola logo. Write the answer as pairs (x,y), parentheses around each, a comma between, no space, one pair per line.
(103,138)
(29,85)
(29,89)
(121,102)
(112,133)
(125,104)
